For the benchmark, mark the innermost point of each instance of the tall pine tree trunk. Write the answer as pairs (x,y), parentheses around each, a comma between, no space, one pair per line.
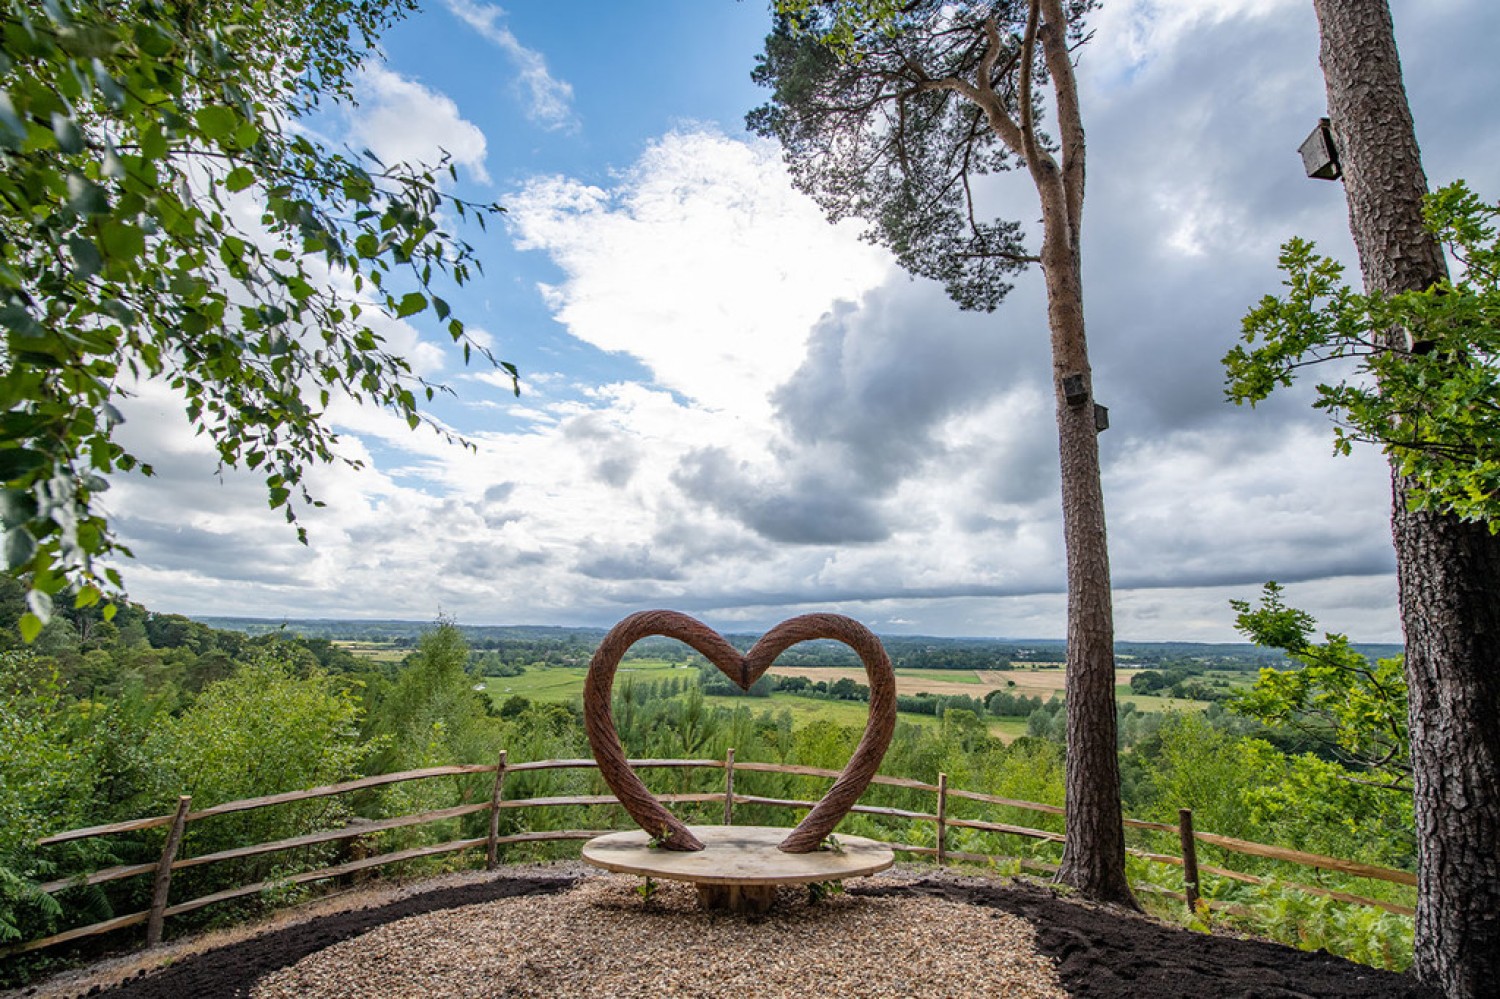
(1094,847)
(1448,571)
(1094,853)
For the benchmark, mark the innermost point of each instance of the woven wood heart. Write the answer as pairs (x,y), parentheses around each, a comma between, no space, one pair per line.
(744,670)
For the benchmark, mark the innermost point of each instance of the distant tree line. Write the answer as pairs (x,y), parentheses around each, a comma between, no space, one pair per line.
(527,645)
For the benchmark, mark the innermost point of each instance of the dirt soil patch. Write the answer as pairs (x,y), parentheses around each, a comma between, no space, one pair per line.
(1099,952)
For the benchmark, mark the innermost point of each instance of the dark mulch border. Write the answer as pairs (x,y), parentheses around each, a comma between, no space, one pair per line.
(1106,953)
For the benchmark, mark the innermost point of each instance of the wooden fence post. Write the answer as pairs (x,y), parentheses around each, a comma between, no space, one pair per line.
(1189,857)
(163,882)
(729,787)
(942,820)
(497,794)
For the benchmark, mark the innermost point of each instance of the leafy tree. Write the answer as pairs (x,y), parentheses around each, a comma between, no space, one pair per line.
(1447,558)
(431,714)
(1349,706)
(44,787)
(261,731)
(1315,805)
(1191,764)
(893,112)
(1430,398)
(1147,682)
(161,217)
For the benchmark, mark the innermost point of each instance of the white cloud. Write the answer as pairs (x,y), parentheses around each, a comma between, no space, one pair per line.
(801,388)
(401,121)
(549,101)
(700,493)
(702,262)
(1130,35)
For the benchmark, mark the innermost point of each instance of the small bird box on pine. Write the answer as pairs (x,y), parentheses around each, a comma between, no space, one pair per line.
(1320,158)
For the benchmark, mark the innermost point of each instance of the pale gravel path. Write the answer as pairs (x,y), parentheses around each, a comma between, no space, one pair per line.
(599,940)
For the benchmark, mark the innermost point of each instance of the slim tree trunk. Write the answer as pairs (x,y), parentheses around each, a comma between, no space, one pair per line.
(1448,571)
(1094,847)
(1094,852)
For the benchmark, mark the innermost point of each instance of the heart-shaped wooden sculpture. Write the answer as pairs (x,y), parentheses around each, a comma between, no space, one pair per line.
(744,670)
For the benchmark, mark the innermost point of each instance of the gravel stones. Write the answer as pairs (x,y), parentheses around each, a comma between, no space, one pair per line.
(601,939)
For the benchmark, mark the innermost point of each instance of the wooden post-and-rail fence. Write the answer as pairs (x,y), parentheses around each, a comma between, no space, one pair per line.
(176,824)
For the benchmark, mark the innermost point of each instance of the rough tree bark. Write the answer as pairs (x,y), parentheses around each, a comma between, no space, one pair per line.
(1094,850)
(1448,571)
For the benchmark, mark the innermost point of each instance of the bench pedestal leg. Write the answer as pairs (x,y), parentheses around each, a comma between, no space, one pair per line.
(736,898)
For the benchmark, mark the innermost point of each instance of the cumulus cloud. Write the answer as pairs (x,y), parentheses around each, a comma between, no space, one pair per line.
(401,121)
(815,431)
(701,261)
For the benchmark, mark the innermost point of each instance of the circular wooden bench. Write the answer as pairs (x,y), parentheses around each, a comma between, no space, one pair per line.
(739,867)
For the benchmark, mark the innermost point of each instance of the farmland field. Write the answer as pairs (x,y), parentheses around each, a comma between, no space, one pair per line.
(380,652)
(951,675)
(565,683)
(1043,683)
(561,684)
(908,681)
(809,709)
(1152,703)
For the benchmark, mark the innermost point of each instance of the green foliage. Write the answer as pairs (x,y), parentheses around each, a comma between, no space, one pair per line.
(1314,805)
(842,26)
(817,891)
(42,770)
(261,731)
(1194,765)
(1354,709)
(44,788)
(1425,384)
(432,714)
(1309,922)
(163,217)
(127,741)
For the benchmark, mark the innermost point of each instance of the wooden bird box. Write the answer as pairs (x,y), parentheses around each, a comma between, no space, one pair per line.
(1320,158)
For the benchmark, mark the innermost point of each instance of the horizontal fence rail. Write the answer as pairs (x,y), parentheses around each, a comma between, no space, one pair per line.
(729,797)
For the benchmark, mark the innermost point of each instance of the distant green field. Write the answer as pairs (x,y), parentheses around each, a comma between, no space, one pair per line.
(808,709)
(1148,703)
(380,652)
(950,675)
(1008,729)
(564,683)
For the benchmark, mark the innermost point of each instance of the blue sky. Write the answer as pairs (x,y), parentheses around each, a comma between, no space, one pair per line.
(734,409)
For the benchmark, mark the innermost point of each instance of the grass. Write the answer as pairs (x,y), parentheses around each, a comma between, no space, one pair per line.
(379,652)
(565,683)
(809,709)
(562,684)
(948,675)
(1151,703)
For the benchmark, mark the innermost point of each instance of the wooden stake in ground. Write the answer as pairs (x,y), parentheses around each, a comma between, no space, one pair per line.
(161,887)
(1189,857)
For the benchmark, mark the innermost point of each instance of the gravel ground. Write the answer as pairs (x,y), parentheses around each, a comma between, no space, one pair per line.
(565,930)
(600,939)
